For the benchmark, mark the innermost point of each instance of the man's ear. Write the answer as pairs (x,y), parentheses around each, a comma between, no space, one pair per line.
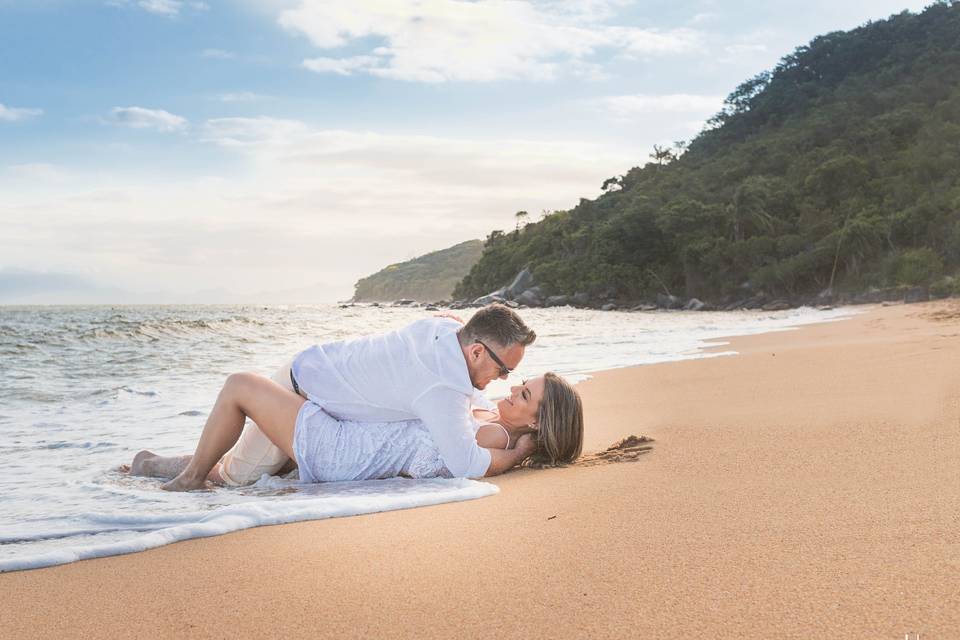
(475,350)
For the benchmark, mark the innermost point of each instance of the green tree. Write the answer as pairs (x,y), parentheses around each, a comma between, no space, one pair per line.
(828,170)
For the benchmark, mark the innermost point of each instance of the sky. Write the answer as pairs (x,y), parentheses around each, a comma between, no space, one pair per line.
(279,150)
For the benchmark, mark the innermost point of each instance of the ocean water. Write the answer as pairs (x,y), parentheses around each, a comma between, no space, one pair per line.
(82,389)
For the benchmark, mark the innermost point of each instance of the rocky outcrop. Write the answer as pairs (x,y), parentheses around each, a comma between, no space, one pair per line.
(519,292)
(530,298)
(522,292)
(776,305)
(490,298)
(668,301)
(522,282)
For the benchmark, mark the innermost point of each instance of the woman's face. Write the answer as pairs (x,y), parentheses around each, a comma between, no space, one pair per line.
(521,407)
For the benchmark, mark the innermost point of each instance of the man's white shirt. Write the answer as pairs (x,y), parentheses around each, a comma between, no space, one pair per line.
(417,372)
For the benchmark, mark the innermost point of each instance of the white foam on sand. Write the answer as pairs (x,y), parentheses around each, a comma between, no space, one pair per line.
(306,502)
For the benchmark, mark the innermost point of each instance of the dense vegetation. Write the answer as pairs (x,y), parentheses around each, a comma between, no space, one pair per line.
(840,169)
(428,278)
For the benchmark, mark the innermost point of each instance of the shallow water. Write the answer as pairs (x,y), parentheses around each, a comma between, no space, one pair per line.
(84,388)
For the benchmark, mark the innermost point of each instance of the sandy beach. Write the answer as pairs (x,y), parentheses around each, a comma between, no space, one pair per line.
(805,488)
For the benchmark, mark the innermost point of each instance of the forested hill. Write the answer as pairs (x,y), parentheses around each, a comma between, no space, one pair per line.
(839,168)
(430,277)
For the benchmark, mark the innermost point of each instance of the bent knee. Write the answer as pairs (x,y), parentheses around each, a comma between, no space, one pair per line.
(242,382)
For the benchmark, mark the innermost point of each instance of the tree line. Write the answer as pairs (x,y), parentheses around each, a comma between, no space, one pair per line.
(837,170)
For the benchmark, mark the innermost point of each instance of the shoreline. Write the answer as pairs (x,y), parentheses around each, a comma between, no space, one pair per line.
(804,487)
(887,297)
(706,337)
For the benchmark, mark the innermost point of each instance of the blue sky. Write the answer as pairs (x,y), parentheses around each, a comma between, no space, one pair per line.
(201,150)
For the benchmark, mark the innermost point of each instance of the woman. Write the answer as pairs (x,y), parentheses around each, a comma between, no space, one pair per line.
(542,420)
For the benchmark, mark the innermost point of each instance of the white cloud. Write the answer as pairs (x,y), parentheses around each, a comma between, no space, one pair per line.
(161,7)
(218,53)
(485,40)
(587,71)
(744,51)
(629,107)
(295,151)
(36,171)
(343,66)
(705,17)
(239,132)
(745,48)
(652,42)
(306,205)
(169,8)
(141,118)
(14,114)
(584,10)
(242,96)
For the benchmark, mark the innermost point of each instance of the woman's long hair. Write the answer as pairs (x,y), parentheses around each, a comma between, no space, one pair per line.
(560,420)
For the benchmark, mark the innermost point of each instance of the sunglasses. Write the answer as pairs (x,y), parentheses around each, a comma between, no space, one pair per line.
(504,369)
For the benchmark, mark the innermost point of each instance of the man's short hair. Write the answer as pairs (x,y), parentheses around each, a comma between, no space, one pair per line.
(499,324)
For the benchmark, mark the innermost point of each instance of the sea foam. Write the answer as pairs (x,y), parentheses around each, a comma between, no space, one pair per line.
(312,502)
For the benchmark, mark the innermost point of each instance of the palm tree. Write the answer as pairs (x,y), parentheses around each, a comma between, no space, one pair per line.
(864,235)
(521,217)
(662,155)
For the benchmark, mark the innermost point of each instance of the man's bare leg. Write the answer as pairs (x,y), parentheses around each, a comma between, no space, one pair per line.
(150,465)
(271,406)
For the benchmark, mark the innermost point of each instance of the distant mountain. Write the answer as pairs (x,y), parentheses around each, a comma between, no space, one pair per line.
(428,278)
(834,173)
(26,287)
(23,286)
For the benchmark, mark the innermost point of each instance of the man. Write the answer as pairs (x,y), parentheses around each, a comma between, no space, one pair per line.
(428,370)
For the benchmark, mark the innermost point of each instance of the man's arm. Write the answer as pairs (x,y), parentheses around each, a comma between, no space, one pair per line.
(502,460)
(446,415)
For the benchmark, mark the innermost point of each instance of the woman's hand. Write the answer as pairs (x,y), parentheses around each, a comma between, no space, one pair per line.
(446,314)
(526,445)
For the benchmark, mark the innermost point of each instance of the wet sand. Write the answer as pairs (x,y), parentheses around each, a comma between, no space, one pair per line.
(806,488)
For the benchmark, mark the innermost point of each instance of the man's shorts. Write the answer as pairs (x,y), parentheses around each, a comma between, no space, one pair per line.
(254,454)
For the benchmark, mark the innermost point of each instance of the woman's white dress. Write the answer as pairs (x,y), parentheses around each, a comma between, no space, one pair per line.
(329,450)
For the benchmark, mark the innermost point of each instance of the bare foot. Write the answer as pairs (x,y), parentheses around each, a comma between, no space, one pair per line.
(124,468)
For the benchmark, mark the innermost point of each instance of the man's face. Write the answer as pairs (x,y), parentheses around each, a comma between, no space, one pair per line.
(483,367)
